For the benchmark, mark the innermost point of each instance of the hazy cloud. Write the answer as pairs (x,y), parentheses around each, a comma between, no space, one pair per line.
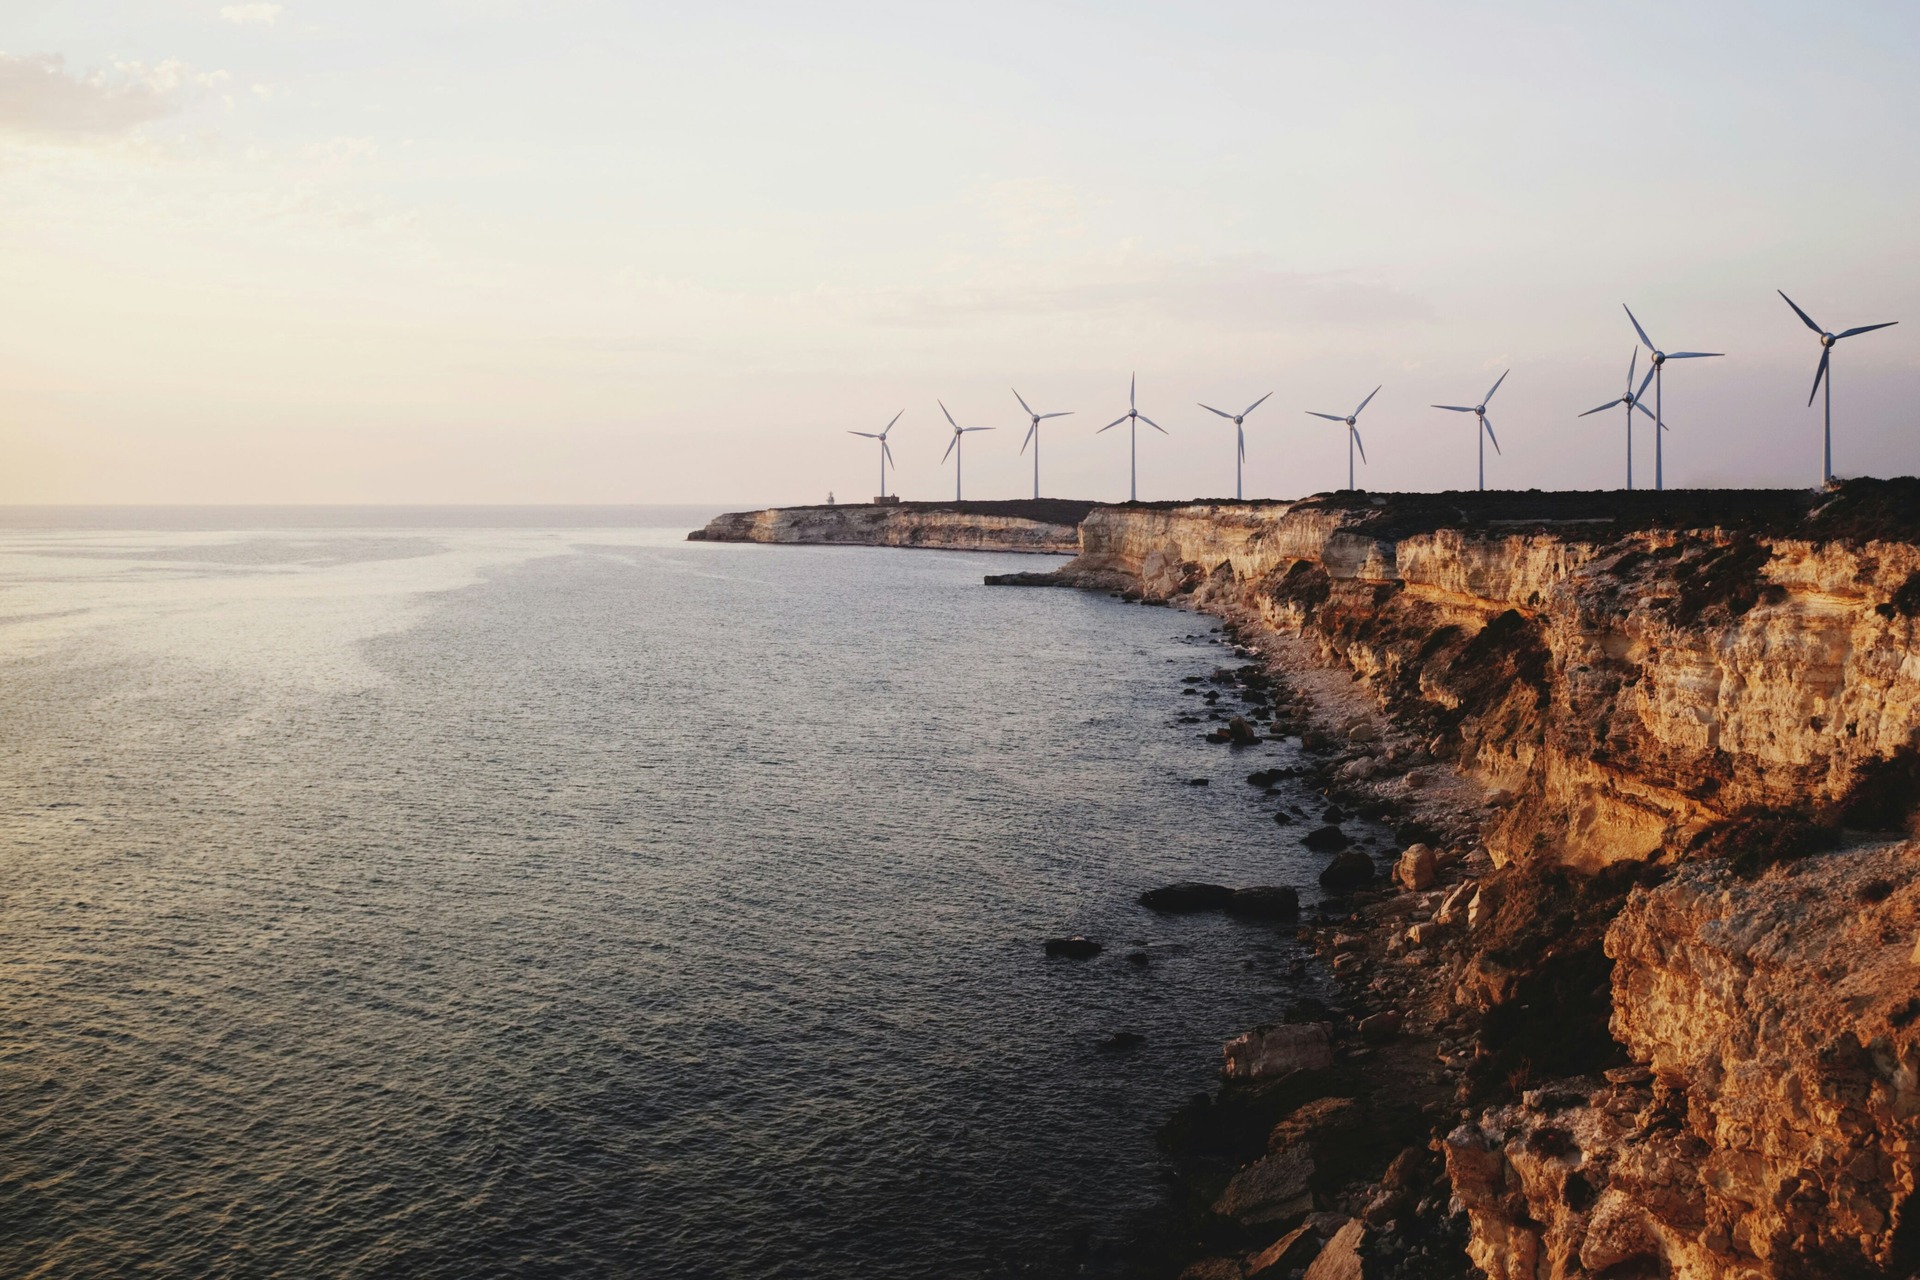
(1244,293)
(251,15)
(39,96)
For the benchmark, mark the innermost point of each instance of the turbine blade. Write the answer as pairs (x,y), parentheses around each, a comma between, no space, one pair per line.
(1023,403)
(1064,413)
(1496,387)
(1330,417)
(1644,383)
(1150,422)
(1133,381)
(1111,425)
(1632,365)
(1611,404)
(1241,433)
(943,409)
(868,434)
(1642,408)
(1029,437)
(1369,400)
(1803,315)
(1358,441)
(1457,408)
(1496,439)
(1692,355)
(1818,374)
(1210,409)
(950,444)
(896,418)
(1637,329)
(1255,405)
(1866,328)
(966,429)
(887,449)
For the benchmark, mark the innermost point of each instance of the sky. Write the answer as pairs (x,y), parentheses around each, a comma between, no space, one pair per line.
(484,251)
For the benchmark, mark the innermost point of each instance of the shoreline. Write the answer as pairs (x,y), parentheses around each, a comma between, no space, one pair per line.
(1645,963)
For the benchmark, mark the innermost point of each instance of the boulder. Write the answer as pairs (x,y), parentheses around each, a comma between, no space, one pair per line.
(1341,1259)
(1286,1255)
(1382,1026)
(1453,907)
(1285,819)
(1363,732)
(1186,896)
(1268,1052)
(1240,733)
(1334,814)
(1273,1188)
(1415,869)
(1265,902)
(1326,840)
(1074,948)
(1349,870)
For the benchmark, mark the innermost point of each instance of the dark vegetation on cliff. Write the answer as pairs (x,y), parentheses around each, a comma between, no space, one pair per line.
(1851,510)
(1064,511)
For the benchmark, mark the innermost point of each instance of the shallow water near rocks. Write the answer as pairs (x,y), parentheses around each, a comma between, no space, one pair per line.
(443,901)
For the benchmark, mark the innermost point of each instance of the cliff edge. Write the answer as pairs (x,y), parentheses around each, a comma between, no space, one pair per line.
(1048,525)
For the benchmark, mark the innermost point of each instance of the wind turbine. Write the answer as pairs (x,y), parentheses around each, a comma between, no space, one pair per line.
(1133,418)
(1632,401)
(1353,431)
(1240,436)
(1826,351)
(886,454)
(1660,359)
(1033,436)
(1484,432)
(953,446)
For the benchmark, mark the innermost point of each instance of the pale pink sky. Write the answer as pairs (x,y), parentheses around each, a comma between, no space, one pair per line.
(598,252)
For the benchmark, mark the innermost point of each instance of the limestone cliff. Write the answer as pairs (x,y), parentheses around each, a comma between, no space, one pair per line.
(1042,526)
(1688,712)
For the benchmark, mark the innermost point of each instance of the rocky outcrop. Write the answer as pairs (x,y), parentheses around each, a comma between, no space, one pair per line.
(1681,998)
(1632,679)
(1043,526)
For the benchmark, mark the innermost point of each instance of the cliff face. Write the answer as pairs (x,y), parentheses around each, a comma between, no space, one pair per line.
(1046,526)
(1631,687)
(1710,710)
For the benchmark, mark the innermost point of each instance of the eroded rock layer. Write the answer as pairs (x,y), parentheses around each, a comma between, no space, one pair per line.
(1044,526)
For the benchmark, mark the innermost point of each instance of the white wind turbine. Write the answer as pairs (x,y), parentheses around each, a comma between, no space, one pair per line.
(1484,432)
(1033,436)
(1353,430)
(1823,374)
(1240,437)
(1632,401)
(953,446)
(1660,359)
(1133,418)
(886,454)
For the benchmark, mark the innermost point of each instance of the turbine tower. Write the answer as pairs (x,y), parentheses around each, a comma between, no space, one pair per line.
(1632,401)
(886,454)
(1133,418)
(1033,437)
(1823,374)
(1660,359)
(1353,431)
(953,446)
(1240,437)
(1484,432)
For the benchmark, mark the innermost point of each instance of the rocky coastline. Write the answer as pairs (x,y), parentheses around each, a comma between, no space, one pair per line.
(1637,992)
(1045,526)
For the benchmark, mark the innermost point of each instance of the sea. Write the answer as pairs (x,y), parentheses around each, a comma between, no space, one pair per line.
(531,892)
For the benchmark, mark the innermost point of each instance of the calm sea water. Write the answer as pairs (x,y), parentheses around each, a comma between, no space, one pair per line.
(386,897)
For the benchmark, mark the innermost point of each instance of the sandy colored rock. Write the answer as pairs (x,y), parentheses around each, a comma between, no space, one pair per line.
(1415,870)
(1268,1052)
(1273,1188)
(1341,1259)
(1289,1253)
